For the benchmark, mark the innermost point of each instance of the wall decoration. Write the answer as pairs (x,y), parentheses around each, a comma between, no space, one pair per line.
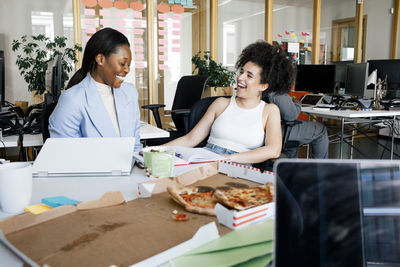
(105,3)
(138,6)
(163,8)
(121,4)
(89,3)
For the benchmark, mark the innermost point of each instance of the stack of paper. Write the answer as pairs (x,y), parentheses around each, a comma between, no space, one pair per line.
(250,246)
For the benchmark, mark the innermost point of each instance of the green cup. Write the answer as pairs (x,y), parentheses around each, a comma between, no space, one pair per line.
(158,161)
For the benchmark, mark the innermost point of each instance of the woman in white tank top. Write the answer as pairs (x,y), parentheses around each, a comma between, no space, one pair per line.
(244,126)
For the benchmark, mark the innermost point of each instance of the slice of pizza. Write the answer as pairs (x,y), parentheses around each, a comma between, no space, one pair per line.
(245,198)
(193,200)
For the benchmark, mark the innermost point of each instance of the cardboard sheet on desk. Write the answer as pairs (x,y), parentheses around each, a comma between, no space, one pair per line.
(128,233)
(85,157)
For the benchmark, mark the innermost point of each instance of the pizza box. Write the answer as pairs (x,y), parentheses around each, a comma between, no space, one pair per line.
(238,219)
(228,217)
(230,169)
(108,231)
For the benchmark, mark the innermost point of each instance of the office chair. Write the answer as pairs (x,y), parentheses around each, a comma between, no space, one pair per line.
(200,108)
(46,112)
(188,91)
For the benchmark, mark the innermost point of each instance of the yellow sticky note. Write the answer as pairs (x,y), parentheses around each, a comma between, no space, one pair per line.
(302,41)
(37,209)
(293,35)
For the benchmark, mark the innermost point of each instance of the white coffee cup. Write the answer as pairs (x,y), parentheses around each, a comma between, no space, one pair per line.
(15,186)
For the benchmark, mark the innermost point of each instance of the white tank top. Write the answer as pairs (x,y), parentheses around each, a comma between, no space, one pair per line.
(239,129)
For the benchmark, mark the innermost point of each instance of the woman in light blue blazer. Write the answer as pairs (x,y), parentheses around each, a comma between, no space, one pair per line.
(98,103)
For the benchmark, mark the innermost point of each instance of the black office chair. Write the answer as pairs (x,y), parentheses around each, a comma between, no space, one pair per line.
(188,91)
(201,106)
(46,112)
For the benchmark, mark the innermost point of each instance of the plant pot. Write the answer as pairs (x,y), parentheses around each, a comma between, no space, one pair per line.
(218,91)
(37,99)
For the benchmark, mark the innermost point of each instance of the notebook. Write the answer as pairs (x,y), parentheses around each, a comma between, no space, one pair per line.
(85,157)
(311,100)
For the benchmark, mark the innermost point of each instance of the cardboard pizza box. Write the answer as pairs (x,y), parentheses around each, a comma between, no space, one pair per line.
(228,217)
(110,231)
(239,219)
(234,170)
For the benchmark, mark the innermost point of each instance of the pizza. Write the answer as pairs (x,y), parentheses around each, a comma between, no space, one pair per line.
(193,200)
(245,198)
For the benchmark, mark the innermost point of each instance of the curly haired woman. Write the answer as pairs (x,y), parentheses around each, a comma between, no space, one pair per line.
(244,126)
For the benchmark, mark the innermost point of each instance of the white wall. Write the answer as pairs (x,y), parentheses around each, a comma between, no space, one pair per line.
(15,21)
(298,17)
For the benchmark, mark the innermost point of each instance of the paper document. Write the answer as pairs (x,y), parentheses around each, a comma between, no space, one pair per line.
(188,155)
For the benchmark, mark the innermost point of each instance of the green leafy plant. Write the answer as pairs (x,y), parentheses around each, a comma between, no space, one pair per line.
(220,76)
(36,53)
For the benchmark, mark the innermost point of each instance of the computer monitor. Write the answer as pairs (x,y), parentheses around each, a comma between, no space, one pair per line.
(54,80)
(356,79)
(316,78)
(2,79)
(388,68)
(340,73)
(318,217)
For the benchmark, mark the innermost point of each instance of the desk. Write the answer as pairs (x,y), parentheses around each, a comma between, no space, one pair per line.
(148,131)
(82,189)
(352,117)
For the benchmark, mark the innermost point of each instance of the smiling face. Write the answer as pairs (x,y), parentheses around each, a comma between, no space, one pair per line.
(112,70)
(249,81)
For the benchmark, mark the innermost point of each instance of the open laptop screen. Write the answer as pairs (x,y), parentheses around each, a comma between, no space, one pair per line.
(318,215)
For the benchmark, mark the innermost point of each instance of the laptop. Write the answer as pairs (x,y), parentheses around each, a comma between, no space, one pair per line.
(311,100)
(85,157)
(318,214)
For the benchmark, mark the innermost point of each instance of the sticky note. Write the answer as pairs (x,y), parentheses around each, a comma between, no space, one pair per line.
(137,40)
(170,1)
(177,25)
(162,24)
(176,41)
(121,14)
(89,12)
(137,23)
(162,49)
(138,31)
(37,209)
(140,65)
(177,16)
(105,22)
(104,12)
(162,32)
(120,23)
(90,21)
(162,41)
(137,14)
(139,48)
(90,30)
(176,49)
(162,67)
(163,57)
(58,201)
(162,16)
(139,57)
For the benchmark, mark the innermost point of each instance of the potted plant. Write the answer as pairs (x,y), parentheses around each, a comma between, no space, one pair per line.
(36,53)
(221,78)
